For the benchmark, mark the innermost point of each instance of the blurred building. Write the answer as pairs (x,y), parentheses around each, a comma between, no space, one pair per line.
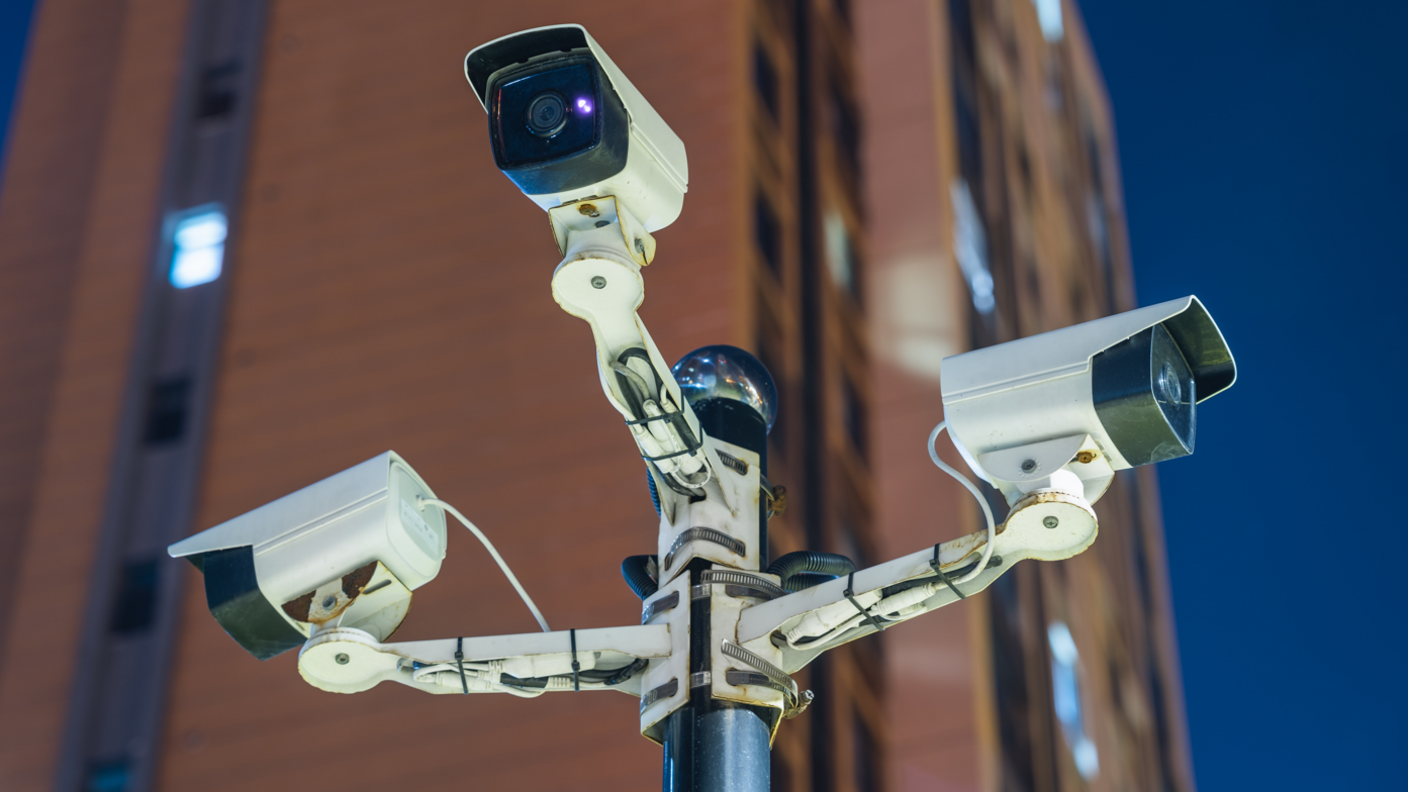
(245,245)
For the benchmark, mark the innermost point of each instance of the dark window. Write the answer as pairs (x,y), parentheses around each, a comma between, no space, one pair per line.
(965,99)
(865,763)
(843,10)
(166,410)
(767,233)
(135,607)
(855,419)
(845,128)
(765,79)
(108,777)
(218,90)
(849,542)
(781,780)
(770,355)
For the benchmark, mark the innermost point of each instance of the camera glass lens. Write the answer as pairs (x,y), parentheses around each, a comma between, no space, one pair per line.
(1145,396)
(551,112)
(1169,387)
(547,114)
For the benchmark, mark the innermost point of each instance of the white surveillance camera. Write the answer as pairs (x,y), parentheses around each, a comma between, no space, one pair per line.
(565,124)
(345,552)
(1066,409)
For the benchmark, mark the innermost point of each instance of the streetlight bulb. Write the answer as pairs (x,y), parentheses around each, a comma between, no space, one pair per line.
(720,371)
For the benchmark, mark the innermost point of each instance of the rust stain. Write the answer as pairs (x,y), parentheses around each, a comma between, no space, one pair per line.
(297,609)
(779,500)
(353,582)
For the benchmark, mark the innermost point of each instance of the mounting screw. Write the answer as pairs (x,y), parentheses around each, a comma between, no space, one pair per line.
(598,282)
(603,223)
(589,210)
(1086,457)
(1050,522)
(329,601)
(342,659)
(1028,465)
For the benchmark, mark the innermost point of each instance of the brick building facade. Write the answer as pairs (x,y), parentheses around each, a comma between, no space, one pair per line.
(876,184)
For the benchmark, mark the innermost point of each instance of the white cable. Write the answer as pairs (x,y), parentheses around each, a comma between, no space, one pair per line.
(982,501)
(527,600)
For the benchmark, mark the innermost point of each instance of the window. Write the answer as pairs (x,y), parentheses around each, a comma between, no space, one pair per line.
(767,234)
(166,410)
(970,247)
(770,354)
(855,418)
(198,247)
(865,750)
(135,608)
(843,10)
(841,258)
(765,79)
(1065,695)
(218,90)
(108,777)
(1048,15)
(845,128)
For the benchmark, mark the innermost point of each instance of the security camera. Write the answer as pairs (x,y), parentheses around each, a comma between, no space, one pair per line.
(1066,409)
(345,552)
(565,124)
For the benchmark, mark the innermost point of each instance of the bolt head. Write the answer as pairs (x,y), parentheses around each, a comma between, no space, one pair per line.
(1051,521)
(329,601)
(598,282)
(1028,465)
(342,659)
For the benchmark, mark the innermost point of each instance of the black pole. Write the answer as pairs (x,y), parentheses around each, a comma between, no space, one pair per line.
(713,745)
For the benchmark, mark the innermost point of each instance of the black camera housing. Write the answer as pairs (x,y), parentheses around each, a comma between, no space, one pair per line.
(587,145)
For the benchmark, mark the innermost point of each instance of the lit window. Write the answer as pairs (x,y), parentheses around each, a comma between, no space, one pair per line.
(1065,694)
(840,253)
(198,248)
(970,247)
(1048,15)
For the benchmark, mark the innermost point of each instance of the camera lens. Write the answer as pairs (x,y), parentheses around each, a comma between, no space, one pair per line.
(1169,386)
(547,114)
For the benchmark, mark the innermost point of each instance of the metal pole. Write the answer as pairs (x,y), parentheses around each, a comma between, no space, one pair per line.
(713,745)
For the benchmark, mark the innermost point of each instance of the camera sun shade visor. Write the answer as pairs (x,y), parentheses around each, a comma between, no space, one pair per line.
(1130,380)
(256,563)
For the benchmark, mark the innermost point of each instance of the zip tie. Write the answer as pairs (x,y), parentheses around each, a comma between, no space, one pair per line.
(576,666)
(850,595)
(934,564)
(459,661)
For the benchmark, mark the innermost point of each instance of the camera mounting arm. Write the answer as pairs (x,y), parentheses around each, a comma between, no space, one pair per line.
(708,490)
(807,623)
(344,660)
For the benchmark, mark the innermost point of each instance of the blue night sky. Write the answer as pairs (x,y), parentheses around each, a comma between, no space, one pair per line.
(1263,153)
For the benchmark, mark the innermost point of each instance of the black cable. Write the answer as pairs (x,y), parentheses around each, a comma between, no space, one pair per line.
(654,494)
(459,662)
(809,562)
(888,591)
(636,570)
(607,676)
(576,666)
(805,580)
